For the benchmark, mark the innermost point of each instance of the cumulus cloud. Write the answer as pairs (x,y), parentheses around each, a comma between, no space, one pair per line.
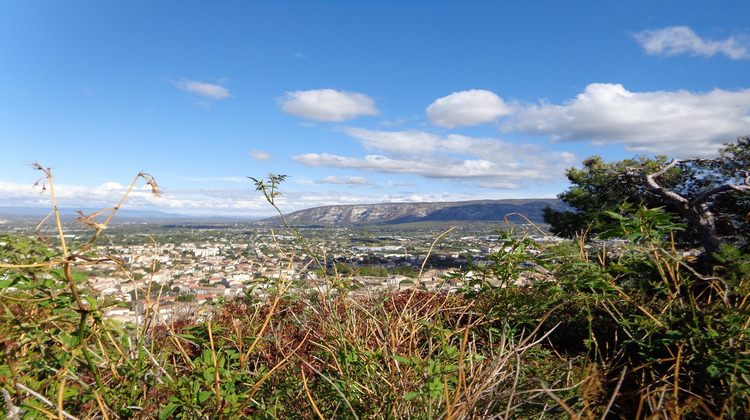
(327,105)
(206,90)
(353,180)
(485,162)
(677,40)
(466,108)
(676,123)
(260,156)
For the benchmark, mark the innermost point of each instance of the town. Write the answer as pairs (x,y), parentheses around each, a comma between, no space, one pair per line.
(170,269)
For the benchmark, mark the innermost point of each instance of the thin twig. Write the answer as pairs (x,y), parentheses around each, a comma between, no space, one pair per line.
(46,401)
(354,413)
(614,393)
(559,402)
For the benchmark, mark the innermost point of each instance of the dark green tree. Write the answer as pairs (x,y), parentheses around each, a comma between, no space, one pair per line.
(710,196)
(186,298)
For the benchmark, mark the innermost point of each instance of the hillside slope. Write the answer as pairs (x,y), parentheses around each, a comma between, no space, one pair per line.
(395,213)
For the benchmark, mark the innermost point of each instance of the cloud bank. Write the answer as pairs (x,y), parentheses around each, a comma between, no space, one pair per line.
(102,196)
(327,105)
(351,180)
(676,40)
(484,162)
(678,123)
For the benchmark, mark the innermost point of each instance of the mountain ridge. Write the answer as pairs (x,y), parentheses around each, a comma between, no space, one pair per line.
(397,213)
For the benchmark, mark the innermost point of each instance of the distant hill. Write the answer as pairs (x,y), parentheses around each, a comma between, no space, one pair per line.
(70,213)
(19,213)
(396,213)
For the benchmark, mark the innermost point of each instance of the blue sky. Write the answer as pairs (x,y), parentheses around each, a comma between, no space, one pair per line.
(356,101)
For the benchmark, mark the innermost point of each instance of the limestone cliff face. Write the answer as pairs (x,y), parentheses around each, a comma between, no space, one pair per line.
(393,213)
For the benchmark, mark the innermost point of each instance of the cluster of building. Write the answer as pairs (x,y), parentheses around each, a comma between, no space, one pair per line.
(169,279)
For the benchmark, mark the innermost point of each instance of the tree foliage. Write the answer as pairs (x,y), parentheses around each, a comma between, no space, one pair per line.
(710,196)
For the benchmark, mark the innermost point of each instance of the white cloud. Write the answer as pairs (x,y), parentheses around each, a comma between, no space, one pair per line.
(75,196)
(10,190)
(469,107)
(259,155)
(413,144)
(677,123)
(481,172)
(677,40)
(209,202)
(327,104)
(354,180)
(397,142)
(485,162)
(206,90)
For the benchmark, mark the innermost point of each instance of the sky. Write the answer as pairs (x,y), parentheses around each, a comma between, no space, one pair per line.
(356,102)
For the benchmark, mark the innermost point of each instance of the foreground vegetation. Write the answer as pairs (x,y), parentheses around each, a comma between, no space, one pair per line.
(641,331)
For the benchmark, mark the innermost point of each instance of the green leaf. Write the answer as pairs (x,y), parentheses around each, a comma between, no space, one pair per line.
(168,410)
(91,301)
(410,396)
(713,370)
(69,340)
(203,396)
(614,215)
(401,359)
(208,374)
